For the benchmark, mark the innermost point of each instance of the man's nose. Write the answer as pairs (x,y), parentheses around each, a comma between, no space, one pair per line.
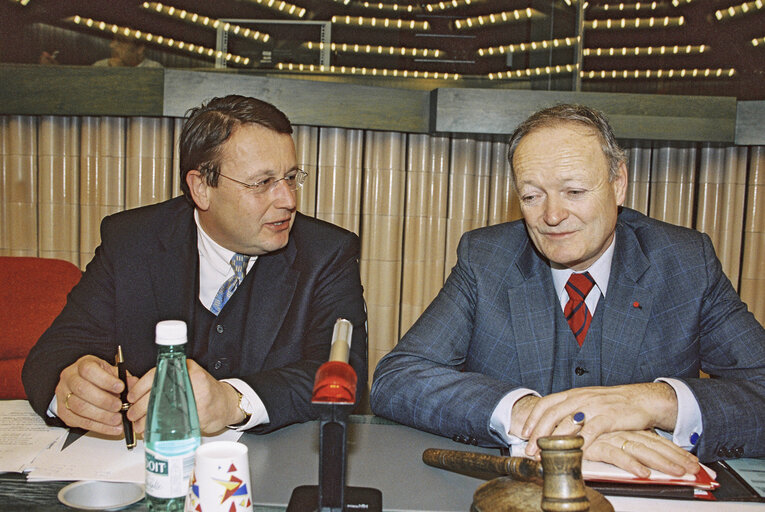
(555,211)
(284,196)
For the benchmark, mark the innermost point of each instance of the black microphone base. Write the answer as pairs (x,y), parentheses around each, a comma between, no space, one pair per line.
(305,498)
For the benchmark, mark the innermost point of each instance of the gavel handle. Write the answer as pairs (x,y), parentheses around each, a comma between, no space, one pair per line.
(518,468)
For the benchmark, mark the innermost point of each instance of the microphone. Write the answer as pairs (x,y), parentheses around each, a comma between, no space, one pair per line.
(335,381)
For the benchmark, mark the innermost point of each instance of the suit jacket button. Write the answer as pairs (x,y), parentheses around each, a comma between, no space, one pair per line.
(580,371)
(217,365)
(219,328)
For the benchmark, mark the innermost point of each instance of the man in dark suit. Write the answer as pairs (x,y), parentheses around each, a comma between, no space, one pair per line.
(258,284)
(584,317)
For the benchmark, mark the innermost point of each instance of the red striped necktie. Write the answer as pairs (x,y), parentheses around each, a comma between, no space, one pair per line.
(576,312)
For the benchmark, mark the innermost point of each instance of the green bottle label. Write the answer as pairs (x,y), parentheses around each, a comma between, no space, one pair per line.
(167,476)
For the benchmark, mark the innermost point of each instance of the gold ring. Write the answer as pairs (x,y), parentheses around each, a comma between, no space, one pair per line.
(624,445)
(66,400)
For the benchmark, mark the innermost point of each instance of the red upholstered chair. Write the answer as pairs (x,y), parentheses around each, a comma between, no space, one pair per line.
(32,293)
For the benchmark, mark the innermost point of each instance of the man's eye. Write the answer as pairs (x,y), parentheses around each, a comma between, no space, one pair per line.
(264,183)
(290,177)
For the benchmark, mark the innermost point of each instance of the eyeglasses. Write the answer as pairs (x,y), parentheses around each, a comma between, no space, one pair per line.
(293,179)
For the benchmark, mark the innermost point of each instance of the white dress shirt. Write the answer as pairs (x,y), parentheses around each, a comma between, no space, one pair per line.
(688,426)
(214,269)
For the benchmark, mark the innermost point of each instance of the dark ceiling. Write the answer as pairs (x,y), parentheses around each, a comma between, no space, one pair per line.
(728,43)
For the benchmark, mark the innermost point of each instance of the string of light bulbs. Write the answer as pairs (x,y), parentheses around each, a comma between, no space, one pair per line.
(634,23)
(498,18)
(383,23)
(364,71)
(197,50)
(205,21)
(739,10)
(393,51)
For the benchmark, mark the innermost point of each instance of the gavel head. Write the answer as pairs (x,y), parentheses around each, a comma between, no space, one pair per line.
(563,489)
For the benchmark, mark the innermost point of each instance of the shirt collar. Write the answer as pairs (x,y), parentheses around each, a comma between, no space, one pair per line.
(214,256)
(600,271)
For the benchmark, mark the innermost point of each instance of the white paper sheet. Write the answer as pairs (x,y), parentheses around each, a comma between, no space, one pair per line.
(23,435)
(96,457)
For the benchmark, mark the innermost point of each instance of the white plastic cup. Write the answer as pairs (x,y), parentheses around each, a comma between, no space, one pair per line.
(221,479)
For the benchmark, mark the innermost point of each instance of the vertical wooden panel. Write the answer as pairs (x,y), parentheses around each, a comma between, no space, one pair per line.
(58,173)
(381,242)
(468,191)
(102,177)
(722,191)
(427,182)
(639,179)
(672,184)
(306,145)
(148,161)
(19,193)
(753,262)
(5,243)
(339,177)
(503,201)
(175,189)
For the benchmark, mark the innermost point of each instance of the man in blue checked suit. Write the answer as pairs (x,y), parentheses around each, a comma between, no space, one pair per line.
(585,317)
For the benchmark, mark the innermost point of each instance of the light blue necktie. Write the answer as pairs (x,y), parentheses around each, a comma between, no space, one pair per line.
(238,263)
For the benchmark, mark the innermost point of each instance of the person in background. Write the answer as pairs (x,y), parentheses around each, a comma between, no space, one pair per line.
(585,317)
(125,52)
(258,284)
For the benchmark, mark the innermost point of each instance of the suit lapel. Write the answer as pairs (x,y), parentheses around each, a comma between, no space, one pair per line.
(174,267)
(274,283)
(532,313)
(628,308)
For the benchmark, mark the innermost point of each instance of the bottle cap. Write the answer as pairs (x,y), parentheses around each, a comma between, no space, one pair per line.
(171,332)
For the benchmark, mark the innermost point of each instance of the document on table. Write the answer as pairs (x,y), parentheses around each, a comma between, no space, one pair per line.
(23,435)
(96,457)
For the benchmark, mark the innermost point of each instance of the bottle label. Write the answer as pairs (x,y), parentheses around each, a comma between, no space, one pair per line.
(169,467)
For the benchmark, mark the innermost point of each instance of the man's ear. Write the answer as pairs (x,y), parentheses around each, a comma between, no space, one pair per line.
(620,184)
(199,189)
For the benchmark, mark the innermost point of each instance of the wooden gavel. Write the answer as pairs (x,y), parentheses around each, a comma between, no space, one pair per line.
(554,485)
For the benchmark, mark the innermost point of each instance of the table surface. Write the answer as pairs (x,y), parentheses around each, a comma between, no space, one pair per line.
(381,455)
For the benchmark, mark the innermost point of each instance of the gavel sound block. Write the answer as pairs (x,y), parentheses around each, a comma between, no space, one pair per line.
(554,485)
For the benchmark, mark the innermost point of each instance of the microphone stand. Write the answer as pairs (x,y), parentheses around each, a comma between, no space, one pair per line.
(334,395)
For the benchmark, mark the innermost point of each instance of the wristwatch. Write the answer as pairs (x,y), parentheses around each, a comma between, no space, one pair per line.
(243,404)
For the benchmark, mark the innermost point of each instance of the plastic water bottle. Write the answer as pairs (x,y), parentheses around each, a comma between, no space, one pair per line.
(172,426)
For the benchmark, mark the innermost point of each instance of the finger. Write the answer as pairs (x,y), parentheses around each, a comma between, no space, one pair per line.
(82,387)
(570,425)
(140,387)
(138,410)
(82,411)
(75,412)
(603,451)
(99,373)
(660,453)
(139,398)
(651,458)
(559,416)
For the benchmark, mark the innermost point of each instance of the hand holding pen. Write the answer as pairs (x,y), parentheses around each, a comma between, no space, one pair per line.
(127,425)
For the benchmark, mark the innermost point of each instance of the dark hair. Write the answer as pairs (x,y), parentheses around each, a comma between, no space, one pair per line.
(210,125)
(580,114)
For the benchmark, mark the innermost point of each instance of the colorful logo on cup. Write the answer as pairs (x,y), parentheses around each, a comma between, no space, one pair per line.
(232,489)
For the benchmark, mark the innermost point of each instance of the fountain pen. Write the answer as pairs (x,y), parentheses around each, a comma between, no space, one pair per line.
(127,425)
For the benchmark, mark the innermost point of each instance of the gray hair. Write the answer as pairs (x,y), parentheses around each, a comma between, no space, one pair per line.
(580,114)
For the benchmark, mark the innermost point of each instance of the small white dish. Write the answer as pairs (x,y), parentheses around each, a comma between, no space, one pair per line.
(95,495)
